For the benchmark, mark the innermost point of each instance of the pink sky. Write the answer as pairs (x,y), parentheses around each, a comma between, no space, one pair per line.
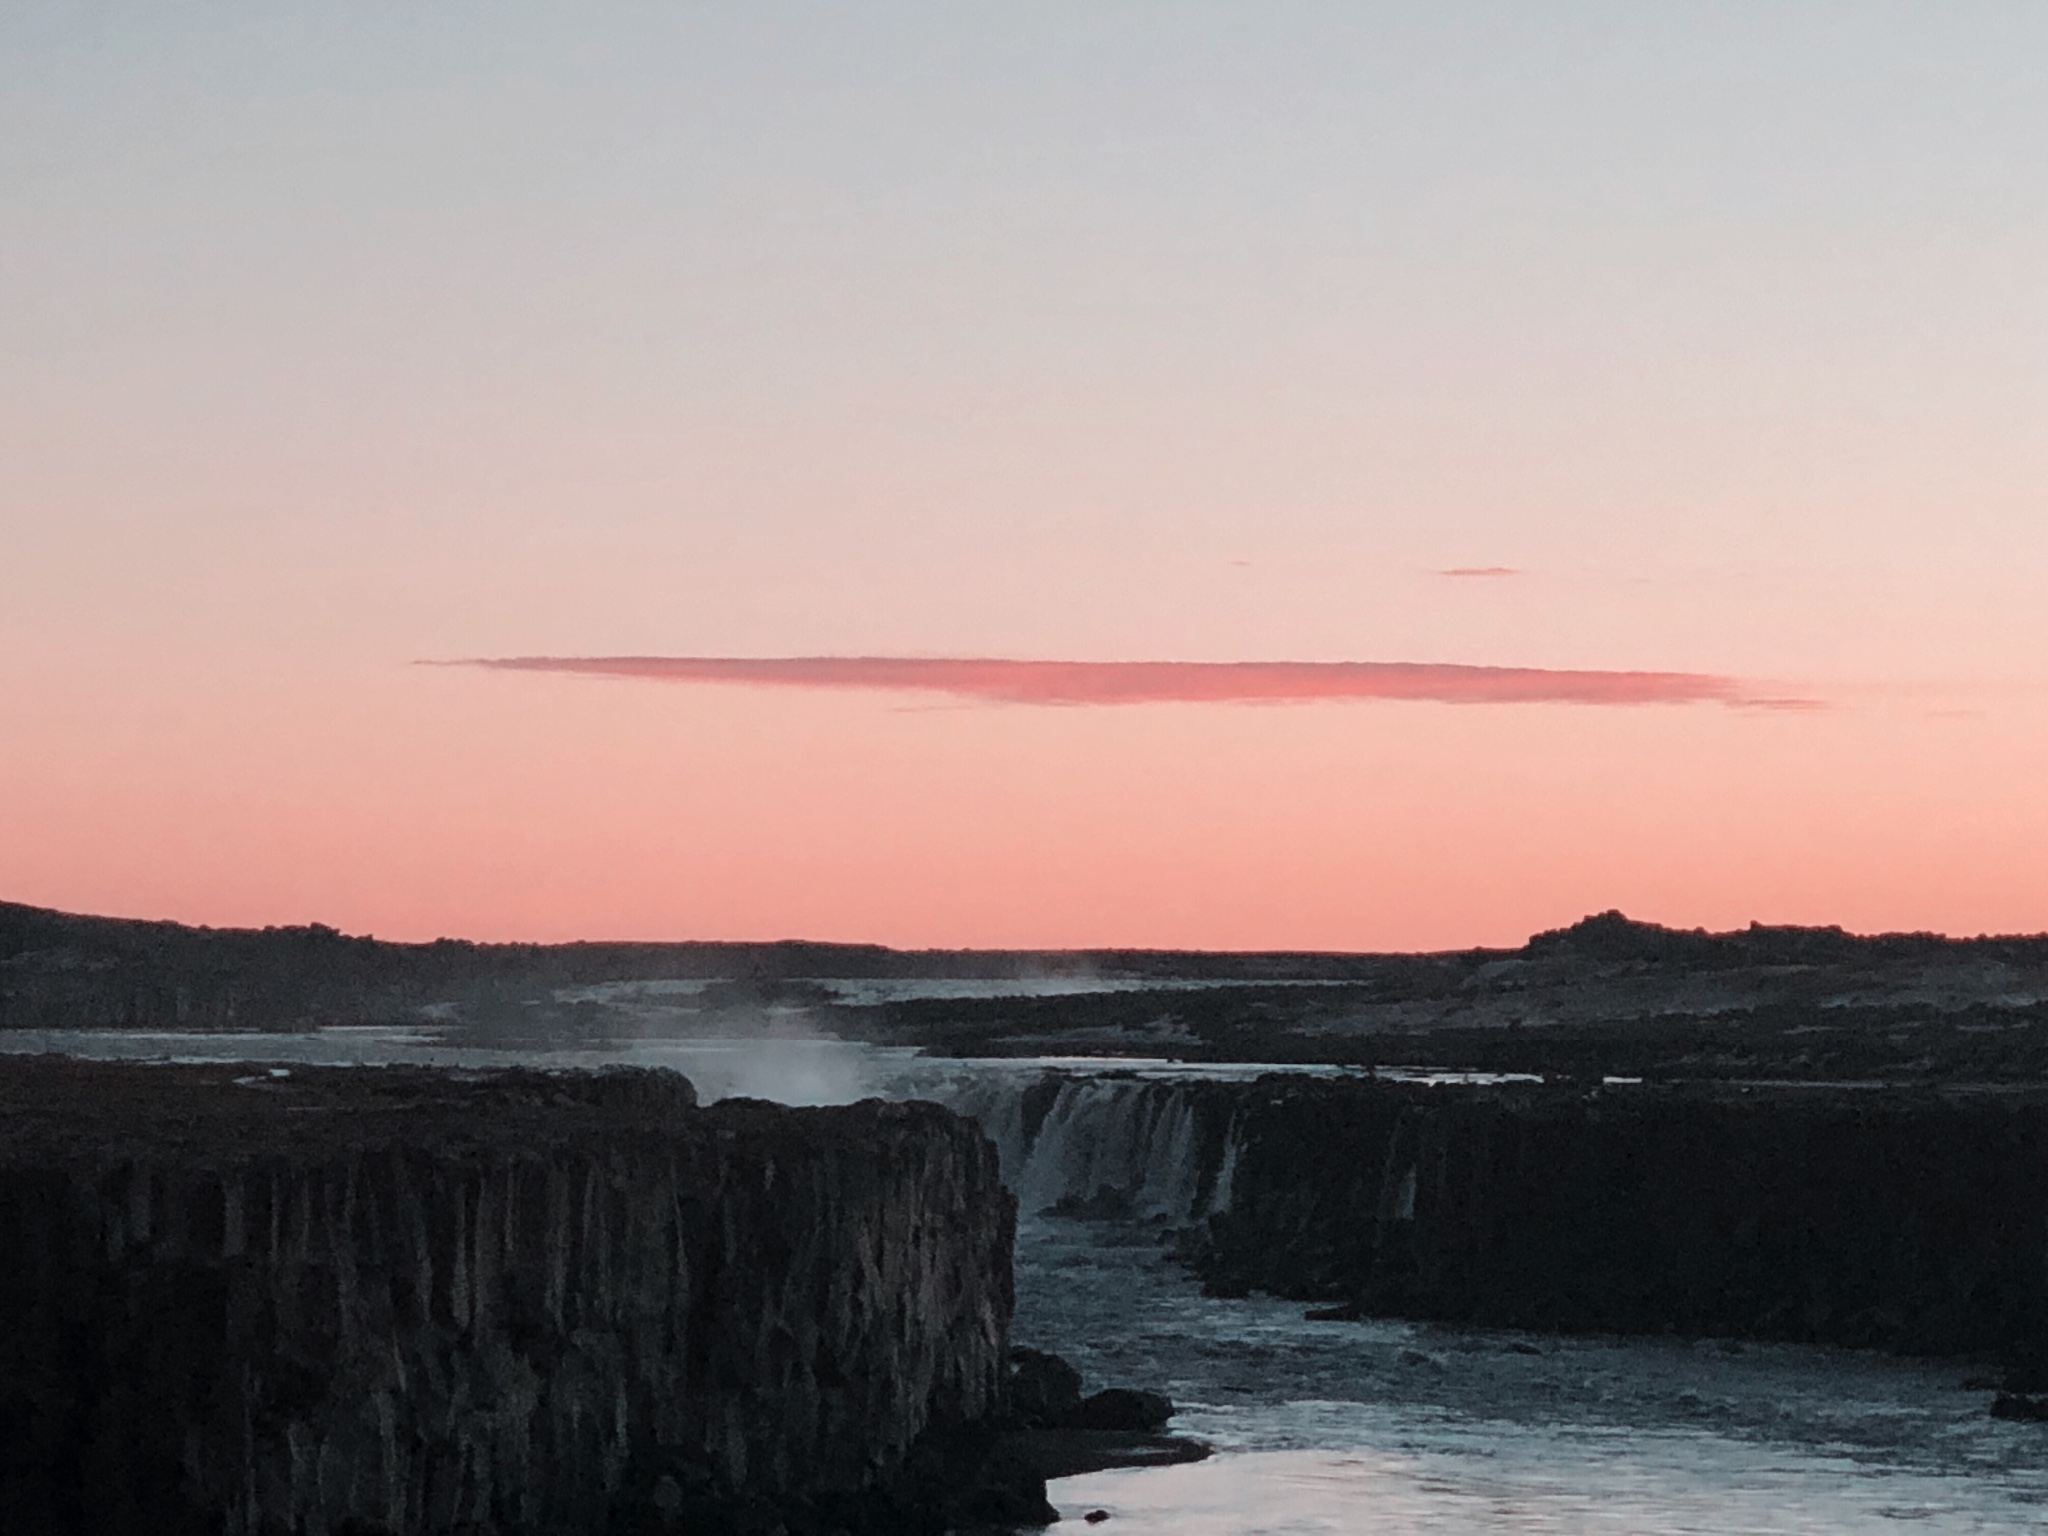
(1062,479)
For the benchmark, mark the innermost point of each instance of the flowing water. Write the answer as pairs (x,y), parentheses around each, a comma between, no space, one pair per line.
(1343,1427)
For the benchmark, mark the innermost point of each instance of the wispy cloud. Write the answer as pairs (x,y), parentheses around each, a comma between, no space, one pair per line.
(1481,570)
(1008,681)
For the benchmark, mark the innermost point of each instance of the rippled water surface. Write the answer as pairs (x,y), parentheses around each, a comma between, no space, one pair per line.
(1374,1426)
(1392,1427)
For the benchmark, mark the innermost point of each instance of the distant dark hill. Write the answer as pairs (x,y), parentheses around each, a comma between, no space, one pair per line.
(58,970)
(1607,995)
(1611,937)
(62,970)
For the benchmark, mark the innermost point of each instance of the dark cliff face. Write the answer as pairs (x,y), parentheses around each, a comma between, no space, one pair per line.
(1911,1221)
(520,1302)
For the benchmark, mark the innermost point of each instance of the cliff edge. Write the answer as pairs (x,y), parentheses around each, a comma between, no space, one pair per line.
(385,1300)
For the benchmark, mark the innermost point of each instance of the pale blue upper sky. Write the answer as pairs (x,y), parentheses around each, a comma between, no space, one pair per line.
(1010,328)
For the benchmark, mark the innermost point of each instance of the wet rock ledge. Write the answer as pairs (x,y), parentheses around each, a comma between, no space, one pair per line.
(391,1300)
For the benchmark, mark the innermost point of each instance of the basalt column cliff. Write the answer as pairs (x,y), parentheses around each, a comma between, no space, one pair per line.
(402,1301)
(1911,1220)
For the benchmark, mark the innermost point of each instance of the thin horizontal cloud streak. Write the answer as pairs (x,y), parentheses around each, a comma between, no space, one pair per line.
(1481,570)
(1010,681)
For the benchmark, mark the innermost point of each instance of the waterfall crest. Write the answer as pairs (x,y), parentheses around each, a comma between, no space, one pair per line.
(1107,1145)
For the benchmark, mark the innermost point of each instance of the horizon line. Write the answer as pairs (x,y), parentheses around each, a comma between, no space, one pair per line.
(67,914)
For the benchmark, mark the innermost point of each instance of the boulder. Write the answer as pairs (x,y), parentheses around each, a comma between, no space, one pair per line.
(1121,1410)
(1043,1388)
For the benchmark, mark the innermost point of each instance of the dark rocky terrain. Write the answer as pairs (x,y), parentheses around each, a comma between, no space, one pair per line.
(1606,996)
(1776,1133)
(59,970)
(407,1301)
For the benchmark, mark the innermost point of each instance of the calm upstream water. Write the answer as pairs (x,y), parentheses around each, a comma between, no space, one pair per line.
(1343,1427)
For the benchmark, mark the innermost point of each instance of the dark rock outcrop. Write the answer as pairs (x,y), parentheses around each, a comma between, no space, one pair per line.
(1045,1393)
(1053,1431)
(405,1301)
(1120,1410)
(1043,1388)
(1912,1221)
(2018,1405)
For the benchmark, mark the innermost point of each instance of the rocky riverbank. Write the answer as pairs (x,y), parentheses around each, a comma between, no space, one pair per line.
(392,1300)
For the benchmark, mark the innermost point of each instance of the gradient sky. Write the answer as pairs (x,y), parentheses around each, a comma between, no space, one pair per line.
(1707,341)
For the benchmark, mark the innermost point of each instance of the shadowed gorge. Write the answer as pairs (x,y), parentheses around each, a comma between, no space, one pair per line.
(1908,1220)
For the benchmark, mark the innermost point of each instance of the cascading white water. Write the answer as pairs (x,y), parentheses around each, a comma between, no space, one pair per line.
(1112,1142)
(1226,1172)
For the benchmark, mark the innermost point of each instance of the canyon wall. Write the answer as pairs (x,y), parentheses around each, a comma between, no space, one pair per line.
(389,1300)
(1914,1221)
(1908,1219)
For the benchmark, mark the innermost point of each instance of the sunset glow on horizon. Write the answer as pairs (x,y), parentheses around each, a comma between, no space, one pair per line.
(879,474)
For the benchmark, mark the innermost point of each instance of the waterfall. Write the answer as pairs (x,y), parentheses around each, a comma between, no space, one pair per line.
(1106,1146)
(1226,1173)
(994,1102)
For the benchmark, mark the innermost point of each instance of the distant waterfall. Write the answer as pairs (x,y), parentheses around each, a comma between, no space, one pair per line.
(1104,1146)
(1226,1171)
